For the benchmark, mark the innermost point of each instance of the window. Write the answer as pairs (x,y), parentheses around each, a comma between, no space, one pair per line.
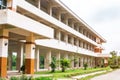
(44,5)
(54,12)
(3,4)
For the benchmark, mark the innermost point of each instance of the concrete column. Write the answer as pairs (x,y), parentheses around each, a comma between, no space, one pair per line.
(29,54)
(77,60)
(66,38)
(39,4)
(12,4)
(48,60)
(85,59)
(66,20)
(88,61)
(59,16)
(72,23)
(77,42)
(91,61)
(50,9)
(81,43)
(66,55)
(9,3)
(37,58)
(72,40)
(3,52)
(81,30)
(58,35)
(20,53)
(58,58)
(78,28)
(81,61)
(94,62)
(72,61)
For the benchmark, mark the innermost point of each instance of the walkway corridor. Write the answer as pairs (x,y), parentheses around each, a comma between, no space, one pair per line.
(115,75)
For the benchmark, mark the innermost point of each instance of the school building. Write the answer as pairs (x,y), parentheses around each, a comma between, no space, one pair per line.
(37,30)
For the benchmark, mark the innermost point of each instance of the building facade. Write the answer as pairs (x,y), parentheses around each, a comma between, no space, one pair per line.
(37,30)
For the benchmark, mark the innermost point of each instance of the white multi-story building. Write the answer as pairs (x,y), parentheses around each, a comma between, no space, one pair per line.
(42,29)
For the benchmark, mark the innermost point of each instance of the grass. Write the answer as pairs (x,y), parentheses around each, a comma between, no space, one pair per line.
(24,77)
(74,72)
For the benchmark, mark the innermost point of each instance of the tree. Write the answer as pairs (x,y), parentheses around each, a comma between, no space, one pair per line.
(113,61)
(64,64)
(114,57)
(119,60)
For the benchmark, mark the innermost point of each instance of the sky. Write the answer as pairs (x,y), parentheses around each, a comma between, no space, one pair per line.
(103,16)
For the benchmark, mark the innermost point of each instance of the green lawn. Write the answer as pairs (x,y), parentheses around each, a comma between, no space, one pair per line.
(69,73)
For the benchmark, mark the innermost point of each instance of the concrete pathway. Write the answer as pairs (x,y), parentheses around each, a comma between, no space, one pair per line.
(114,75)
(81,76)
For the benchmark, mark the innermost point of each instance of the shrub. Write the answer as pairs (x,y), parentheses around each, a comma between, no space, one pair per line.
(85,66)
(43,78)
(53,64)
(64,64)
(14,78)
(114,66)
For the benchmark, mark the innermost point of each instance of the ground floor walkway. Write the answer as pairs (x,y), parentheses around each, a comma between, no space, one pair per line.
(114,75)
(18,74)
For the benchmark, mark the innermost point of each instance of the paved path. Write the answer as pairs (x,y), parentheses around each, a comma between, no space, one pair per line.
(84,75)
(114,75)
(81,76)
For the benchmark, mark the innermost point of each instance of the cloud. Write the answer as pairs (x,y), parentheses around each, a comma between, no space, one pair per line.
(107,14)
